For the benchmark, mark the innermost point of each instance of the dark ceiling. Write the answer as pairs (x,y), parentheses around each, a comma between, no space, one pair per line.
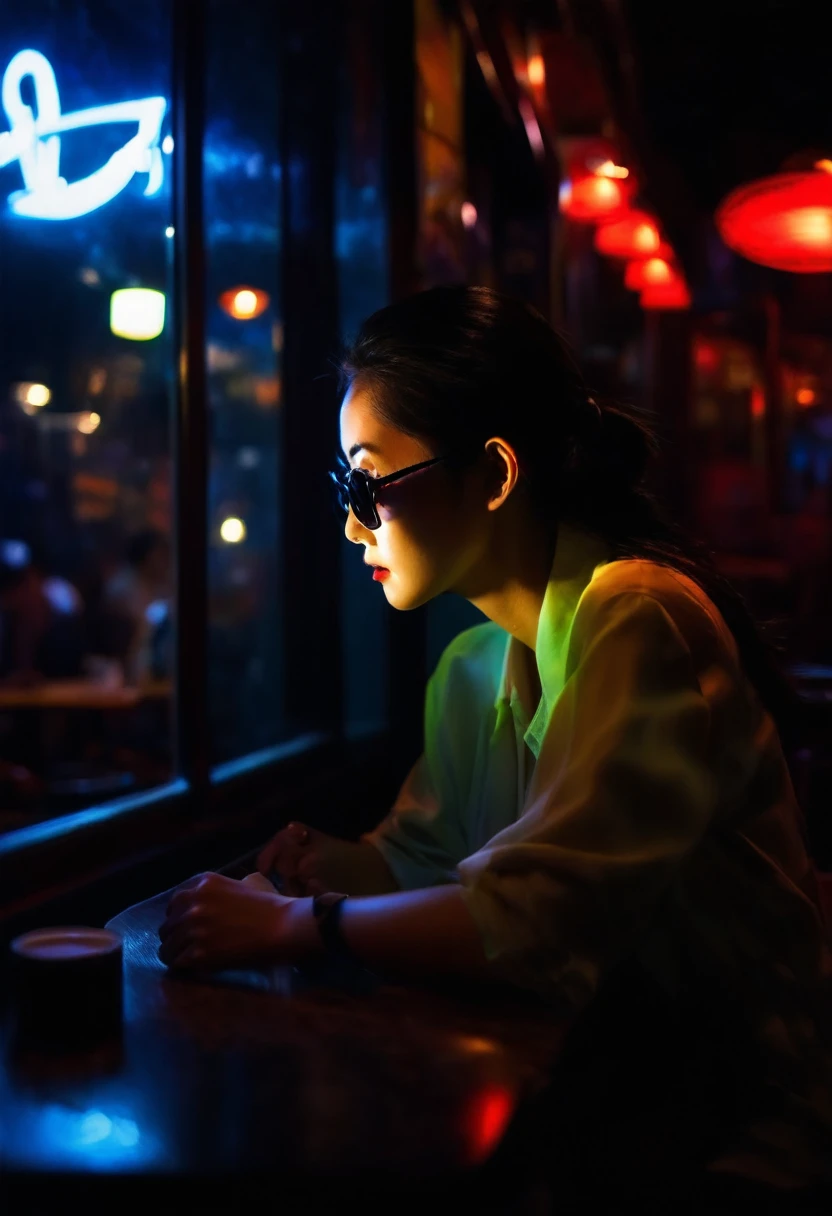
(728,89)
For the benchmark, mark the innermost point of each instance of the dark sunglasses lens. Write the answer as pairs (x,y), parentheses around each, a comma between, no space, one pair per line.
(361,499)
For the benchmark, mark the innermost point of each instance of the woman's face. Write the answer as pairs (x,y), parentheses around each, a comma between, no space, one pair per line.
(435,524)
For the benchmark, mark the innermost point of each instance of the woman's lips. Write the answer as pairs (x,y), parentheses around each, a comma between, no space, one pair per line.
(380,573)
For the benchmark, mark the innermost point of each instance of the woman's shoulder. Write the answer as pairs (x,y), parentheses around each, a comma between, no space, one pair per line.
(688,605)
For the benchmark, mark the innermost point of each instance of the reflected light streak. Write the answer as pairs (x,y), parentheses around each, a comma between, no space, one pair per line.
(531,124)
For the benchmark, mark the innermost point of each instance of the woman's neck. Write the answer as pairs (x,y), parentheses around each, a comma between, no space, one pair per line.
(509,585)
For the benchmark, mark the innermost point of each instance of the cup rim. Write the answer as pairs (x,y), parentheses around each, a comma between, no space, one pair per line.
(99,942)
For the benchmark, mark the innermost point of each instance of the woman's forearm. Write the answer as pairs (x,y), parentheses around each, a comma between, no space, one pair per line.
(426,932)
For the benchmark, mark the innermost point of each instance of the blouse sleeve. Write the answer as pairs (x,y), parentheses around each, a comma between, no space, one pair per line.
(421,838)
(622,793)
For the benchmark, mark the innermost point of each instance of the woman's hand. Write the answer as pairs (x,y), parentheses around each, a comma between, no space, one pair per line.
(308,861)
(215,921)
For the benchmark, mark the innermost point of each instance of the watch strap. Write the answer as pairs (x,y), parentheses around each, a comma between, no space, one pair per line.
(326,909)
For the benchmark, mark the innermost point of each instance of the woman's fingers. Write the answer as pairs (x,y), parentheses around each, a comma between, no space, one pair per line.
(175,943)
(284,850)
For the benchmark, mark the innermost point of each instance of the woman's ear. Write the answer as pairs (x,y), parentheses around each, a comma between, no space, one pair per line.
(503,471)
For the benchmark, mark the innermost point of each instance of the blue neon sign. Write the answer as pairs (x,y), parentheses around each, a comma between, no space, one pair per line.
(35,143)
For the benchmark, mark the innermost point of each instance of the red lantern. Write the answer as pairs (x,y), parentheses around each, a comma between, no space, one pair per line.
(671,296)
(591,198)
(650,272)
(784,221)
(635,235)
(595,187)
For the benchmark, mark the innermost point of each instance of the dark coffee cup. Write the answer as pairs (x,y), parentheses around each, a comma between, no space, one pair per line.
(66,987)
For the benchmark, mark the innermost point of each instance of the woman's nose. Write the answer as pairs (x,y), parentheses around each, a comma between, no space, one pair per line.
(353,529)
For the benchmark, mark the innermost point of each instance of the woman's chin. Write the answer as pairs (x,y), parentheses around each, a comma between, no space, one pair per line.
(406,600)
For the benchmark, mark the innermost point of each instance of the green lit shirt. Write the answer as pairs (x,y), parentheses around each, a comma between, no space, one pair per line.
(620,793)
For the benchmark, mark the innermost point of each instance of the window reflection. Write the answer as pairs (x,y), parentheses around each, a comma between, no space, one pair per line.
(361,257)
(86,635)
(244,345)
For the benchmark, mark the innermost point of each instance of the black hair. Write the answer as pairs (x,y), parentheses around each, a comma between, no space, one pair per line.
(457,365)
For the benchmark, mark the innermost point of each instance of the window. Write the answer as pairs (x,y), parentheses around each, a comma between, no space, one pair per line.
(86,364)
(178,191)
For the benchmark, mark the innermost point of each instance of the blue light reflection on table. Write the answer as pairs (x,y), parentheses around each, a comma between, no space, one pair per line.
(107,1137)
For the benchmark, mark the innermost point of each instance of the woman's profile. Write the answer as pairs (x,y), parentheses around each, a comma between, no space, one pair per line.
(603,812)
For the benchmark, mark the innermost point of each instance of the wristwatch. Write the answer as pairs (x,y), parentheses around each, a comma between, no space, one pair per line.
(326,909)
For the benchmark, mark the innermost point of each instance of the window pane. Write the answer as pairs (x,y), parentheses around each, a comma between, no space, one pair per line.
(244,341)
(86,362)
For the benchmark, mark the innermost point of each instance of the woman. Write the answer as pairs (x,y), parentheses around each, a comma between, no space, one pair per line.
(602,812)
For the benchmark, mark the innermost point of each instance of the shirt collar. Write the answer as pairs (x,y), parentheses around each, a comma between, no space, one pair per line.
(577,555)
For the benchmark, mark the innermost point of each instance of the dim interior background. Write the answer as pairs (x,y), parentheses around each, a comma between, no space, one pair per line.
(198,205)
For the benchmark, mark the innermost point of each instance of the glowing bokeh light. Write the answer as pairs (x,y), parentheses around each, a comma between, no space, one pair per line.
(635,235)
(783,221)
(233,530)
(244,303)
(36,395)
(590,198)
(649,272)
(608,168)
(536,71)
(137,313)
(805,396)
(670,297)
(89,422)
(468,213)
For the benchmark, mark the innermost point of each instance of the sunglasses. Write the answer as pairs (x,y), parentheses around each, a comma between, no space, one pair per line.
(358,490)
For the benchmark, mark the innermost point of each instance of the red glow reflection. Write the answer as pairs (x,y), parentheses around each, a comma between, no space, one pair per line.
(486,1120)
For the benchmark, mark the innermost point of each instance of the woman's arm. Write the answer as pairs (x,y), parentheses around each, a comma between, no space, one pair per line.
(215,921)
(410,932)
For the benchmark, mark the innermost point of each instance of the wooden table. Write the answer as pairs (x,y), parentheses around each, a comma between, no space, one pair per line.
(297,1089)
